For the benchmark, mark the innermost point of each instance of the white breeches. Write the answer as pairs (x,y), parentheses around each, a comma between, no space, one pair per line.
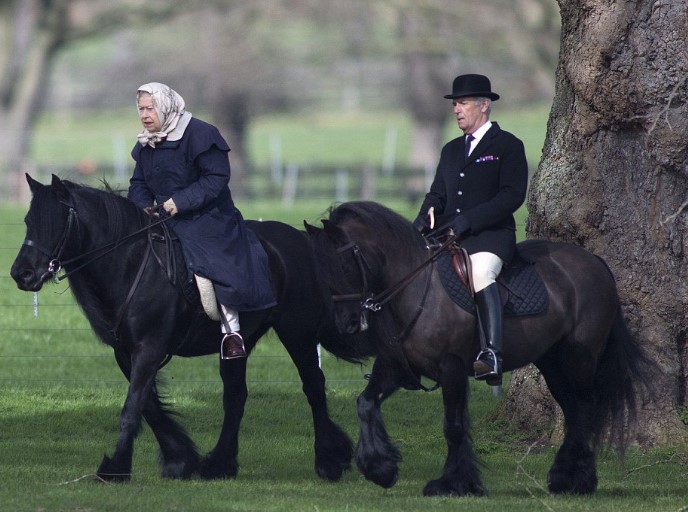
(232,316)
(486,267)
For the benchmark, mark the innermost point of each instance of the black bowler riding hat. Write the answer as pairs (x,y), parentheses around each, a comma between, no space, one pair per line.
(473,86)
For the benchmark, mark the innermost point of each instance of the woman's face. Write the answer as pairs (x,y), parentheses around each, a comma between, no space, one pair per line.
(147,113)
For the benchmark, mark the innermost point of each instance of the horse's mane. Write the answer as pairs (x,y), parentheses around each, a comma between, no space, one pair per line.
(385,224)
(120,214)
(394,235)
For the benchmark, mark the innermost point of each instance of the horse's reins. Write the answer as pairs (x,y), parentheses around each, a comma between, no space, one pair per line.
(55,265)
(375,302)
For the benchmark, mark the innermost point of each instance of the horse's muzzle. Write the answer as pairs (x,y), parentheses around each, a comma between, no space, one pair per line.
(27,279)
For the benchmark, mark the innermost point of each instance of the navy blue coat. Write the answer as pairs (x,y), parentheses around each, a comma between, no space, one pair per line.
(487,189)
(194,171)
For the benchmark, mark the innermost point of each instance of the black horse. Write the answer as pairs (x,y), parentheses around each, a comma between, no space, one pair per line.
(380,270)
(122,273)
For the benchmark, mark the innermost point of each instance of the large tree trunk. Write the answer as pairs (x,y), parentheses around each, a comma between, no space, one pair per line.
(614,179)
(35,30)
(424,77)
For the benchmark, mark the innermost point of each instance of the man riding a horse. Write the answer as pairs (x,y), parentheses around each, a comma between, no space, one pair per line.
(480,182)
(182,166)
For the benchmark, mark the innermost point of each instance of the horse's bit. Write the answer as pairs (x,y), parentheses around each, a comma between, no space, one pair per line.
(54,266)
(371,302)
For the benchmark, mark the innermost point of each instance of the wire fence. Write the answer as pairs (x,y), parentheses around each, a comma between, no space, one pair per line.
(34,355)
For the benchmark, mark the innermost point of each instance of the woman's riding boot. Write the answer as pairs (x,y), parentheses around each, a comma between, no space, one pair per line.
(232,345)
(488,365)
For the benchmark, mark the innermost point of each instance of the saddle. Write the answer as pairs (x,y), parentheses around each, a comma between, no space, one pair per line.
(197,290)
(207,297)
(522,289)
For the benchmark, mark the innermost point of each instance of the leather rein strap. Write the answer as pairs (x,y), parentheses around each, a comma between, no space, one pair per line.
(55,265)
(375,302)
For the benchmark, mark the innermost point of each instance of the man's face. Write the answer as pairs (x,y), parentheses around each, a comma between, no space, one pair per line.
(147,113)
(471,113)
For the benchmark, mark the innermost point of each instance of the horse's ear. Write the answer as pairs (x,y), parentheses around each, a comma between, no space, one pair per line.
(333,231)
(33,184)
(59,188)
(310,229)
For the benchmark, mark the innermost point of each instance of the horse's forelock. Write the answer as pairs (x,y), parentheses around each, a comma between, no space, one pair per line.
(328,268)
(45,213)
(387,228)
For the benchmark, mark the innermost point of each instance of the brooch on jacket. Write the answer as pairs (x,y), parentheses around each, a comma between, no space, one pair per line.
(486,158)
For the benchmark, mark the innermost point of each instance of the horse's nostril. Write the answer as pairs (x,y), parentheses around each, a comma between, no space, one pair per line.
(24,278)
(353,325)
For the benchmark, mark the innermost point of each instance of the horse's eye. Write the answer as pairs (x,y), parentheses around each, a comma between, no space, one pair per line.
(348,267)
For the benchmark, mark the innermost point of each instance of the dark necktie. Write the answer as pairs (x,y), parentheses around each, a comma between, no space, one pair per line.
(469,139)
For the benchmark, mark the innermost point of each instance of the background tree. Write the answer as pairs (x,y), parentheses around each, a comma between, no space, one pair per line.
(614,179)
(33,33)
(237,59)
(511,42)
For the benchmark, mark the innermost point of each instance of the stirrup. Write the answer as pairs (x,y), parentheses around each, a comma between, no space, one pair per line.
(232,346)
(487,366)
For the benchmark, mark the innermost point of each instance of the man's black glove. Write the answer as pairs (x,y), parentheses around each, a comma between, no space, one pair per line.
(422,224)
(460,225)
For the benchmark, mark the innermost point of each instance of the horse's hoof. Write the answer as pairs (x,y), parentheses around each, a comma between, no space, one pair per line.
(333,453)
(442,487)
(331,471)
(559,482)
(380,466)
(382,472)
(212,468)
(109,471)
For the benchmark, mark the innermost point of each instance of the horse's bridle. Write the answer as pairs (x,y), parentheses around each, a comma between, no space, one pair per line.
(374,302)
(364,296)
(55,264)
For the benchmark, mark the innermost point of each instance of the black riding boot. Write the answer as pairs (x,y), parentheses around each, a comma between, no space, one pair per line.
(488,365)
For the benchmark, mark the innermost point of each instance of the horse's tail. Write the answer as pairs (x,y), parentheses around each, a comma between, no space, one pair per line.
(623,377)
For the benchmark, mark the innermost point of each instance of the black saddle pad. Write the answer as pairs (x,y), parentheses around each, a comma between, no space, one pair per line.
(526,293)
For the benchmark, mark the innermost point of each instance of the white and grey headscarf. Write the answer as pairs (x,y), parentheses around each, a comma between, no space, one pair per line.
(170,107)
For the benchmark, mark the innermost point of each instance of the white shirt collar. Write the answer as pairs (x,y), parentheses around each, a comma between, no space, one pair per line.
(478,134)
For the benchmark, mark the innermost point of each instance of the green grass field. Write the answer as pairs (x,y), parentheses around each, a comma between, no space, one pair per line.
(62,394)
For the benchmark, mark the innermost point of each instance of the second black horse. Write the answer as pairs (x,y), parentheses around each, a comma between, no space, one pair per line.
(382,275)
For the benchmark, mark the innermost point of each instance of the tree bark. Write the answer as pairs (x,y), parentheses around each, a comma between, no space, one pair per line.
(36,33)
(614,179)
